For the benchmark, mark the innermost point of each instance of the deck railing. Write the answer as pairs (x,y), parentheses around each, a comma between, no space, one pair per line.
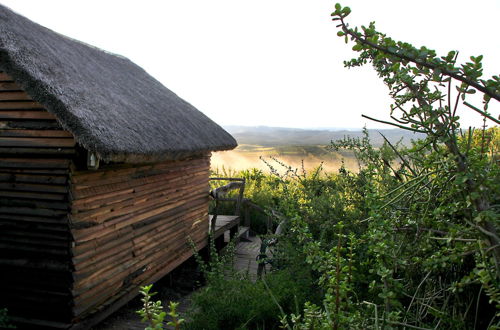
(218,195)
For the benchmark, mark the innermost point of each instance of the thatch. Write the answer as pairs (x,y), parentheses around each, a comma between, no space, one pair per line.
(111,105)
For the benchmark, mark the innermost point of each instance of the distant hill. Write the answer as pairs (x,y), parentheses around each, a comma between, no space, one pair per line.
(280,136)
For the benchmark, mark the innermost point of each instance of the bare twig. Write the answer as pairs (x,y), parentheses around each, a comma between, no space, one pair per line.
(416,291)
(482,113)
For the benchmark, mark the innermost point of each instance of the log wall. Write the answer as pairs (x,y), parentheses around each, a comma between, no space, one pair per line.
(131,226)
(35,153)
(76,243)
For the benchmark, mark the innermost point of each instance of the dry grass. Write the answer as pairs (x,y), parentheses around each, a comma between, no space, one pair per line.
(248,156)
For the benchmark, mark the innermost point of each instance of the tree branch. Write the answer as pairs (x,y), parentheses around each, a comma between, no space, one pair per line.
(389,123)
(482,113)
(405,162)
(423,63)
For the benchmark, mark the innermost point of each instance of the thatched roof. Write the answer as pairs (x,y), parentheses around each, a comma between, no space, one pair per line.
(111,105)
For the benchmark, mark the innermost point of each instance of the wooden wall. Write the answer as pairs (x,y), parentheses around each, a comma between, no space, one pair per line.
(131,226)
(76,243)
(35,153)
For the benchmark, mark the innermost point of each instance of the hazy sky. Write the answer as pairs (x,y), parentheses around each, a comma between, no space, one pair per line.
(269,62)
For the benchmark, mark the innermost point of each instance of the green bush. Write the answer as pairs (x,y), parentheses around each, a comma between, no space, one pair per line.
(4,320)
(152,312)
(239,303)
(231,300)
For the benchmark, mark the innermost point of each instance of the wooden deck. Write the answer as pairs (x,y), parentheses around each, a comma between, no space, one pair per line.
(245,256)
(247,249)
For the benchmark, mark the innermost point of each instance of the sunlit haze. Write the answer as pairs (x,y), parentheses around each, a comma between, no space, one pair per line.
(273,62)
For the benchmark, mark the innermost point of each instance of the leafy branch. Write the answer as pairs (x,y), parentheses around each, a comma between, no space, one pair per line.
(423,57)
(415,78)
(153,314)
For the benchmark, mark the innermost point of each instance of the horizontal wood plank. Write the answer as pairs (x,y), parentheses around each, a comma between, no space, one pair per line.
(32,196)
(35,133)
(23,177)
(5,77)
(25,124)
(61,221)
(33,187)
(123,170)
(11,114)
(11,96)
(9,86)
(38,227)
(35,163)
(37,142)
(22,105)
(44,152)
(34,212)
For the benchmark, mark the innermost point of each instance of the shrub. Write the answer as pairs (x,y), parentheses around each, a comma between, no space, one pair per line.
(4,320)
(231,300)
(239,303)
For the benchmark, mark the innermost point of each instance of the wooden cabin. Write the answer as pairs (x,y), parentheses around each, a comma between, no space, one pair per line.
(103,177)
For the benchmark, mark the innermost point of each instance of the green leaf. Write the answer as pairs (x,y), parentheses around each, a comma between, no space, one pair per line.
(357,47)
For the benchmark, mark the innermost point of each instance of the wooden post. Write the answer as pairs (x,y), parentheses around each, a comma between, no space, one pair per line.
(240,198)
(247,216)
(214,216)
